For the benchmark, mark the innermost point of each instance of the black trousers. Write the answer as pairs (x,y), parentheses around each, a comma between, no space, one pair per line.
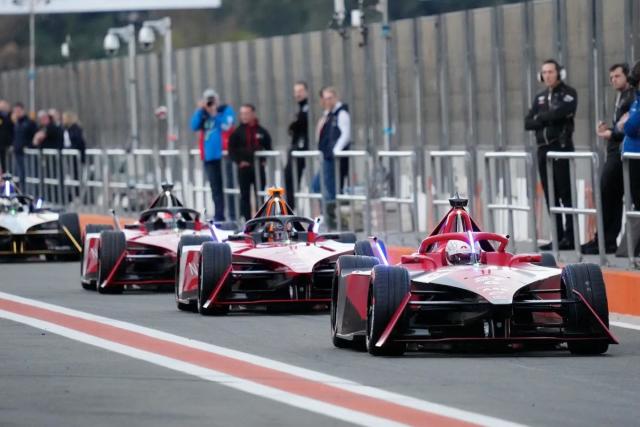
(3,158)
(247,178)
(288,179)
(562,188)
(214,173)
(612,189)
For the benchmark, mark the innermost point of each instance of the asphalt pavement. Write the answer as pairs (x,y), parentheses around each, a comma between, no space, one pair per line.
(46,379)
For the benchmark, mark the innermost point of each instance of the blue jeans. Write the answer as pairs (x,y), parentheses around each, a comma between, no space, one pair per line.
(214,173)
(329,181)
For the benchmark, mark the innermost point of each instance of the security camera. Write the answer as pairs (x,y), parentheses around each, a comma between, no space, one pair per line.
(146,37)
(111,44)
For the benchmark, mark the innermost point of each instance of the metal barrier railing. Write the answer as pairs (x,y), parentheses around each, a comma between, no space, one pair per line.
(51,176)
(443,177)
(143,176)
(403,189)
(353,193)
(94,191)
(271,161)
(199,183)
(33,171)
(630,214)
(304,192)
(116,178)
(71,160)
(502,198)
(572,211)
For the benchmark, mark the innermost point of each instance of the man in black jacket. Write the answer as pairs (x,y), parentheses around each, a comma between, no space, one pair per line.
(248,138)
(611,180)
(23,131)
(299,132)
(551,117)
(6,133)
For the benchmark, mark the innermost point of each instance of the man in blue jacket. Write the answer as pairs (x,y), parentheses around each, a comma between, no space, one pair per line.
(210,120)
(630,124)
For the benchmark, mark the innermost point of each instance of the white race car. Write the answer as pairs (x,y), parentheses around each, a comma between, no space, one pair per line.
(27,229)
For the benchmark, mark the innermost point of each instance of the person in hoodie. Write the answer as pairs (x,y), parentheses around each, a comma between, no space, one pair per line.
(299,133)
(248,138)
(210,121)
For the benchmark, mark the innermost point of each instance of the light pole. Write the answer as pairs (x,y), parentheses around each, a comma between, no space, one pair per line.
(111,45)
(146,37)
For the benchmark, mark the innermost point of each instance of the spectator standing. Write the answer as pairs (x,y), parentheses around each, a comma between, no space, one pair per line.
(23,131)
(299,133)
(6,134)
(49,135)
(74,139)
(552,118)
(210,121)
(248,138)
(334,137)
(630,124)
(611,180)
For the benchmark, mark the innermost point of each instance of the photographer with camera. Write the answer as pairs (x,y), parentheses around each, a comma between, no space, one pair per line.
(210,120)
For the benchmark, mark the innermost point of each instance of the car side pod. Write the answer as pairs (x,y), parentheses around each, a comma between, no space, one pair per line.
(389,294)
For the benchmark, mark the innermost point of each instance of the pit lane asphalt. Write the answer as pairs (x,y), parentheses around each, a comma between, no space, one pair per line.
(46,379)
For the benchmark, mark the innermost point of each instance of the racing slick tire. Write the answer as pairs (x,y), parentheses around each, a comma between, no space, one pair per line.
(346,262)
(215,260)
(186,241)
(389,285)
(226,225)
(91,228)
(69,224)
(363,248)
(347,237)
(588,281)
(112,246)
(548,260)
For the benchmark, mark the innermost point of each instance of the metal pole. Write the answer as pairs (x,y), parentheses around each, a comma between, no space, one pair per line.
(386,113)
(133,91)
(172,133)
(32,56)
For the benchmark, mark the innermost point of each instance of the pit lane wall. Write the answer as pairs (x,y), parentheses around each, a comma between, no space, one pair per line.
(623,287)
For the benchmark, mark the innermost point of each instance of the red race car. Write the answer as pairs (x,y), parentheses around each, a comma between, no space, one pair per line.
(144,253)
(278,261)
(463,287)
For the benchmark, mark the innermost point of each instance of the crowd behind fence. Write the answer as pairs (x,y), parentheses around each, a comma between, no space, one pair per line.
(386,193)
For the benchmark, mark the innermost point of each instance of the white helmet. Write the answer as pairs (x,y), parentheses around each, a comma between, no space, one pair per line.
(458,252)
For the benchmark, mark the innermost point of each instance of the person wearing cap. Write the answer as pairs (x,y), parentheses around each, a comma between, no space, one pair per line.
(210,120)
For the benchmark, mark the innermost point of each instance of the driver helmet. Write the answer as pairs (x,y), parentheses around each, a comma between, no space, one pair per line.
(458,252)
(161,219)
(277,232)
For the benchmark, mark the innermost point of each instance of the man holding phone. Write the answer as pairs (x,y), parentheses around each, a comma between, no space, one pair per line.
(611,180)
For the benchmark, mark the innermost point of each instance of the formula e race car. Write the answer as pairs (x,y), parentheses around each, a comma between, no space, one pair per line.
(459,289)
(28,229)
(278,261)
(142,254)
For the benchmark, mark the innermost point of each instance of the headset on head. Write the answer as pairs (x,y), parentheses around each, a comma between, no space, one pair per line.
(562,72)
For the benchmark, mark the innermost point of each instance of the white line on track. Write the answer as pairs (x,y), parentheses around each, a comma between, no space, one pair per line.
(625,325)
(243,384)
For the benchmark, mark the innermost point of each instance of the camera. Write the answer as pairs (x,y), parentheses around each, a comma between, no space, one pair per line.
(111,44)
(146,37)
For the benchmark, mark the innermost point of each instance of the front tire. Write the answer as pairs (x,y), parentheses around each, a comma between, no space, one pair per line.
(346,262)
(588,281)
(190,240)
(112,246)
(215,261)
(390,284)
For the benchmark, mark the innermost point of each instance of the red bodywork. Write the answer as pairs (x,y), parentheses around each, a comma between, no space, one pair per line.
(509,296)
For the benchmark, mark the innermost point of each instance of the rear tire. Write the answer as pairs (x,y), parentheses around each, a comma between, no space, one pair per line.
(390,284)
(363,248)
(215,260)
(97,228)
(112,246)
(69,224)
(588,281)
(346,262)
(190,240)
